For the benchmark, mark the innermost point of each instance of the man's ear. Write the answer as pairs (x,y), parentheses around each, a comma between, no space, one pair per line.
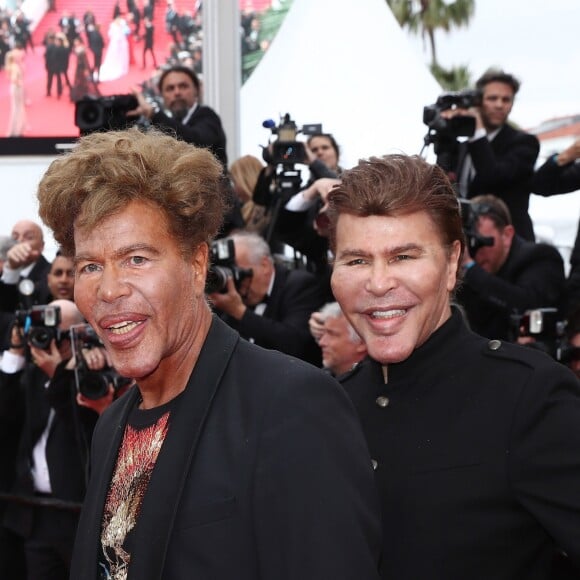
(508,234)
(266,262)
(200,259)
(361,347)
(453,264)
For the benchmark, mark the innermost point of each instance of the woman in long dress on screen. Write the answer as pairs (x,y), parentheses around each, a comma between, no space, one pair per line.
(14,66)
(116,63)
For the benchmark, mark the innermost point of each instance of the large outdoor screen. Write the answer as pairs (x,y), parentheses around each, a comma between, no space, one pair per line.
(51,58)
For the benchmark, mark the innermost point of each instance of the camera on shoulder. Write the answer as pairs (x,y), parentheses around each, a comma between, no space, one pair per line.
(286,150)
(443,133)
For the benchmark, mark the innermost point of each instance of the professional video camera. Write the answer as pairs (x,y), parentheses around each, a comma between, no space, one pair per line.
(286,150)
(443,133)
(548,330)
(223,266)
(284,153)
(469,214)
(92,384)
(40,325)
(104,113)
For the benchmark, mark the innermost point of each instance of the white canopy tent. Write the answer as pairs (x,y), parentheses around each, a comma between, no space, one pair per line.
(347,65)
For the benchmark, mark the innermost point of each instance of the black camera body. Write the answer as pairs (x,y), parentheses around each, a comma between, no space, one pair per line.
(40,325)
(223,266)
(457,126)
(541,323)
(286,150)
(469,215)
(443,133)
(104,113)
(90,383)
(548,331)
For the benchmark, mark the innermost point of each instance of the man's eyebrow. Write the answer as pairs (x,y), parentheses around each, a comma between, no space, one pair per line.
(120,252)
(411,246)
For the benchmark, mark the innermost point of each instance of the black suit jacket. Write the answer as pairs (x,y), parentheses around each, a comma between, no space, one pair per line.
(263,475)
(531,277)
(477,457)
(9,296)
(503,167)
(296,294)
(204,129)
(553,179)
(66,448)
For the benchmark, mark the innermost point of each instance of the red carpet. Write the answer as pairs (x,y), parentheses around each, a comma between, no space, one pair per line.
(50,117)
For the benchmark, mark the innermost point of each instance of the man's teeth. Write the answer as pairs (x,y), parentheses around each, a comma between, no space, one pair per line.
(388,313)
(123,327)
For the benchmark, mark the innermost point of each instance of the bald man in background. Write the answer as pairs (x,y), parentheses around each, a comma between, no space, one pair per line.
(24,260)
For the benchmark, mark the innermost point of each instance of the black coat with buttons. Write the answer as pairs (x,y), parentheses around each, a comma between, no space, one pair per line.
(476,448)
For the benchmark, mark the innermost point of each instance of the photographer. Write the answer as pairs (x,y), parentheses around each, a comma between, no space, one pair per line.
(24,260)
(509,276)
(298,220)
(51,456)
(183,113)
(272,305)
(497,159)
(561,174)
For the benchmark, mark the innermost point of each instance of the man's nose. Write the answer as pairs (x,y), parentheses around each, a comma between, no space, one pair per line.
(112,285)
(381,279)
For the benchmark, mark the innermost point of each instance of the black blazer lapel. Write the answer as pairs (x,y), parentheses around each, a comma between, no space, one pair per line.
(163,495)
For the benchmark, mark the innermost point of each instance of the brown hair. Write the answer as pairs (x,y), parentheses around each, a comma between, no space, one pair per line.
(179,68)
(397,185)
(244,172)
(494,75)
(492,207)
(106,171)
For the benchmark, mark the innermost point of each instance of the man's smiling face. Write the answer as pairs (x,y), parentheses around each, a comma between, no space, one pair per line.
(393,277)
(137,290)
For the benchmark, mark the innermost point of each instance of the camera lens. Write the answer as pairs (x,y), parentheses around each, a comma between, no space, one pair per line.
(40,337)
(217,279)
(93,384)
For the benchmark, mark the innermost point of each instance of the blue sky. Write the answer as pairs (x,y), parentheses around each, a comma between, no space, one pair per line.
(536,40)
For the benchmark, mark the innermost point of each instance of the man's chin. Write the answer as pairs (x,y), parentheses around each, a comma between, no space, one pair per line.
(390,351)
(179,112)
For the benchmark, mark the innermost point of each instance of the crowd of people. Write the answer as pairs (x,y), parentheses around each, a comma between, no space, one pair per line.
(381,380)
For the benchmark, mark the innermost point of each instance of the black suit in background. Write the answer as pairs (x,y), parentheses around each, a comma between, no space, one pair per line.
(553,179)
(296,294)
(531,277)
(503,168)
(9,295)
(11,412)
(52,68)
(263,475)
(478,470)
(66,455)
(204,129)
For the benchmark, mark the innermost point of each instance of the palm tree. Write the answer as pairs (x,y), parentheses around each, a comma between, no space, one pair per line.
(427,16)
